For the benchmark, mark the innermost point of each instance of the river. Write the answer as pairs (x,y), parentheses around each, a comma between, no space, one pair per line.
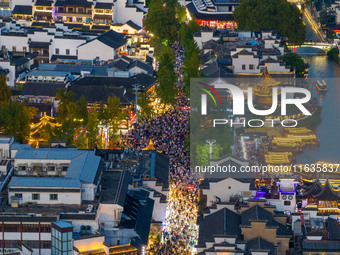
(328,131)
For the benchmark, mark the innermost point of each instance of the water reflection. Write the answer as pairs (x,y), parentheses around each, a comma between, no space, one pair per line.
(328,131)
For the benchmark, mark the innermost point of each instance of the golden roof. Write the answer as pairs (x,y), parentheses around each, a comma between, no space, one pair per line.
(150,147)
(267,80)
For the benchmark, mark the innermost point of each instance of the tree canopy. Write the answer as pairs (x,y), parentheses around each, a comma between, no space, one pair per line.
(281,15)
(295,62)
(5,92)
(161,20)
(15,117)
(80,125)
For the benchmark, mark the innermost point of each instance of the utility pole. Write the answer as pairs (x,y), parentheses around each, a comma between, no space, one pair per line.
(211,144)
(136,88)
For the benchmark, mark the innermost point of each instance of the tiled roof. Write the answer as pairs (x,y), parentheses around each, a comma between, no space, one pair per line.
(43,3)
(22,9)
(133,25)
(41,88)
(44,182)
(103,5)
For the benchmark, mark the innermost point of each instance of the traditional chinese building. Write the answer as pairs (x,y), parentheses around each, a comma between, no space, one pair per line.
(322,198)
(263,90)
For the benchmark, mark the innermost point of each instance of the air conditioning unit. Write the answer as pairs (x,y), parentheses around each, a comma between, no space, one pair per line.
(45,169)
(28,169)
(89,208)
(59,169)
(289,197)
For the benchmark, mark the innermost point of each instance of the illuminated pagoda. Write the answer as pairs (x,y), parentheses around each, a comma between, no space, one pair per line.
(35,138)
(263,89)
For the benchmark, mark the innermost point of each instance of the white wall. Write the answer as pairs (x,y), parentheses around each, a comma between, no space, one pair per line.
(13,3)
(159,209)
(276,67)
(78,223)
(224,189)
(62,44)
(14,41)
(122,14)
(245,60)
(136,70)
(40,36)
(63,197)
(280,206)
(120,29)
(95,49)
(88,191)
(109,215)
(205,36)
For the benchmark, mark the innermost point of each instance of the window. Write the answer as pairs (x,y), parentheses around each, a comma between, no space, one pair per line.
(3,48)
(22,168)
(57,51)
(64,168)
(251,67)
(35,196)
(51,168)
(243,67)
(24,49)
(80,20)
(286,203)
(18,195)
(67,52)
(14,49)
(53,196)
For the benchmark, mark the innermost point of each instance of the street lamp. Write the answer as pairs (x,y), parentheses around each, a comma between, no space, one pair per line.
(136,88)
(211,144)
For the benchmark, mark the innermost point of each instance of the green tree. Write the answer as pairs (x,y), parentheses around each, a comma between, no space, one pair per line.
(92,128)
(181,13)
(295,62)
(161,20)
(166,89)
(203,153)
(144,102)
(67,115)
(333,54)
(102,114)
(82,109)
(5,92)
(191,68)
(115,113)
(64,98)
(15,120)
(281,15)
(187,32)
